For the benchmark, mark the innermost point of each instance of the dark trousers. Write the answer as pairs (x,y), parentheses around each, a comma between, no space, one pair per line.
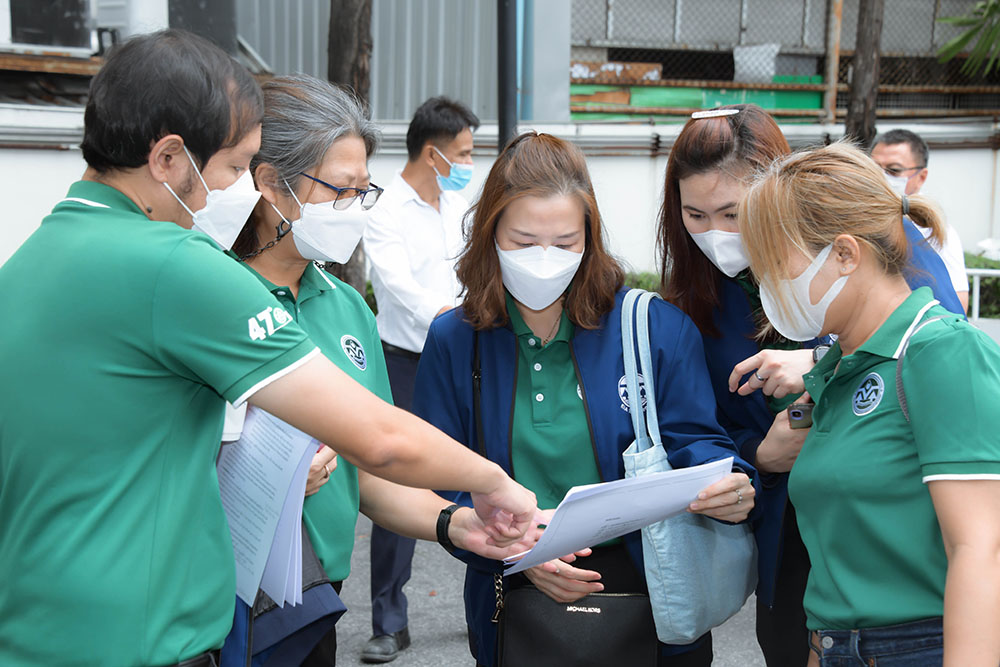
(392,554)
(781,630)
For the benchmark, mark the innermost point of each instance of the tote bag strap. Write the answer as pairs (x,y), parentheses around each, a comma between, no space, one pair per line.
(646,361)
(635,324)
(628,356)
(900,391)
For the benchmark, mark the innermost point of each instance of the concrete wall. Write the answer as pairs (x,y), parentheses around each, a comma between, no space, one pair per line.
(628,182)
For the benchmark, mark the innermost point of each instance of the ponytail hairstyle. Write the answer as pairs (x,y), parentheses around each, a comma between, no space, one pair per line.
(737,144)
(808,199)
(303,117)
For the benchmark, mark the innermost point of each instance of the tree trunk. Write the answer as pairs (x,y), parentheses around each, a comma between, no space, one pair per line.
(860,125)
(349,54)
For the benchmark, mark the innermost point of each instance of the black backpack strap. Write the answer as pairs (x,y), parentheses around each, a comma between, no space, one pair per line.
(900,392)
(477,380)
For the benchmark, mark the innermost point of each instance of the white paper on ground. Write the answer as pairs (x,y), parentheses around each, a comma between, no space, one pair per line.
(258,475)
(595,513)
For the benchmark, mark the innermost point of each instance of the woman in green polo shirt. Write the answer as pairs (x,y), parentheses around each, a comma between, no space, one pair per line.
(312,171)
(900,512)
(541,324)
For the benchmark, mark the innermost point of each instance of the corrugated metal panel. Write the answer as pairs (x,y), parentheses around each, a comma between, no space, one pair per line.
(290,35)
(423,48)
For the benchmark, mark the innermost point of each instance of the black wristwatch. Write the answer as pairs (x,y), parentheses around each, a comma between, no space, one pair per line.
(444,520)
(819,351)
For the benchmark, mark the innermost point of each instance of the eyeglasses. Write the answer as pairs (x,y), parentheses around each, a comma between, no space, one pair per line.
(899,171)
(346,196)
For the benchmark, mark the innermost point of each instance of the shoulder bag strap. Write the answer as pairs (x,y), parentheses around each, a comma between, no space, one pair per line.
(477,380)
(900,392)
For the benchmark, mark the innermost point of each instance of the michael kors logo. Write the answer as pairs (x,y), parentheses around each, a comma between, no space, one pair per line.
(584,610)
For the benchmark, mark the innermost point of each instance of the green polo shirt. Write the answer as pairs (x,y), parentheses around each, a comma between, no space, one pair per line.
(339,321)
(122,340)
(858,485)
(551,448)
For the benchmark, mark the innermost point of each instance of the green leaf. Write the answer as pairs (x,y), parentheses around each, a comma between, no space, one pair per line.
(955,46)
(960,21)
(981,51)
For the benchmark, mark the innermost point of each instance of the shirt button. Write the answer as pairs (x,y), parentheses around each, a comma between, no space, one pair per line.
(280,292)
(538,367)
(539,397)
(531,342)
(827,642)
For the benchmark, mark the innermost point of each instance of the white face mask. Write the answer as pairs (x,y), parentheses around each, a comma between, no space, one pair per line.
(535,276)
(225,211)
(325,234)
(724,249)
(805,321)
(897,183)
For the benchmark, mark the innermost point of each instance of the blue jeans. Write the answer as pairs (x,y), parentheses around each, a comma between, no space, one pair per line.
(917,644)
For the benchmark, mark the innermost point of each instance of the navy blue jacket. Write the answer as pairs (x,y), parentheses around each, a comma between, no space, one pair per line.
(748,418)
(685,403)
(927,269)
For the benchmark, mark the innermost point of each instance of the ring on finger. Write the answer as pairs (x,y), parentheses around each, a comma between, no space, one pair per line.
(756,374)
(739,496)
(326,466)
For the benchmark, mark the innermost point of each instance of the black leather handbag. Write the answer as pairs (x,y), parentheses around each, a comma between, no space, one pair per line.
(597,630)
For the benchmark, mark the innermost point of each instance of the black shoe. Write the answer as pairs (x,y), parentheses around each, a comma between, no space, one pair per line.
(385,648)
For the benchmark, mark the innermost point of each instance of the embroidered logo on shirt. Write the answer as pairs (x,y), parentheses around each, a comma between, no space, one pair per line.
(267,322)
(623,392)
(354,351)
(868,394)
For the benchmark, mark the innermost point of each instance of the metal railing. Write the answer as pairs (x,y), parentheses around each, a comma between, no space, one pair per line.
(977,275)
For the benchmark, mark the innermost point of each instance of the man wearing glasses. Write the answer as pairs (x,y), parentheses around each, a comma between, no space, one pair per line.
(903,155)
(412,241)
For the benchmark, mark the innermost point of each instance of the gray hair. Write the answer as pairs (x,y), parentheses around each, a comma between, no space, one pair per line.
(303,116)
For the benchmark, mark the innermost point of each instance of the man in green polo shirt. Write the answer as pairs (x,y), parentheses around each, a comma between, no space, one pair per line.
(125,333)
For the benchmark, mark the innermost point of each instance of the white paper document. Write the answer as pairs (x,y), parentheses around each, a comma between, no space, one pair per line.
(262,480)
(595,513)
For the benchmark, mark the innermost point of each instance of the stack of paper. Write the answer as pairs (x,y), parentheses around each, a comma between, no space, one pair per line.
(262,480)
(595,513)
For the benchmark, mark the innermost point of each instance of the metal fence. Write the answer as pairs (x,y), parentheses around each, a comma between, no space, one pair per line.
(793,57)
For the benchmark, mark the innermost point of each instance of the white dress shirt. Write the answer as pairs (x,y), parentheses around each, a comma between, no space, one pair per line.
(952,256)
(412,250)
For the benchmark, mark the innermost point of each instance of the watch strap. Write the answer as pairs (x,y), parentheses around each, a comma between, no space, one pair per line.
(443,522)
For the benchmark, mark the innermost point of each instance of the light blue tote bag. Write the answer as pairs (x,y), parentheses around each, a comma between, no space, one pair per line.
(699,571)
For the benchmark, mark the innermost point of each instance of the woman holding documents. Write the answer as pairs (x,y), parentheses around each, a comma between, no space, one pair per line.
(312,171)
(533,362)
(897,486)
(704,272)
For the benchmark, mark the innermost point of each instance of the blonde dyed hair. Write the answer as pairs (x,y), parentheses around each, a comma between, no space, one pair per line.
(808,199)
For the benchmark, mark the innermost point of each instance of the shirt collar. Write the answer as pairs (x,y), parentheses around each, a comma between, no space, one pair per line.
(563,334)
(102,194)
(888,338)
(885,342)
(408,194)
(312,283)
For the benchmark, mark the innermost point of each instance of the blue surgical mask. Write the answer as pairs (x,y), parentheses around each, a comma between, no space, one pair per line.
(458,177)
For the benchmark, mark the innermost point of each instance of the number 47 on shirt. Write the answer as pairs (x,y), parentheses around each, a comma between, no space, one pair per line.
(267,322)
